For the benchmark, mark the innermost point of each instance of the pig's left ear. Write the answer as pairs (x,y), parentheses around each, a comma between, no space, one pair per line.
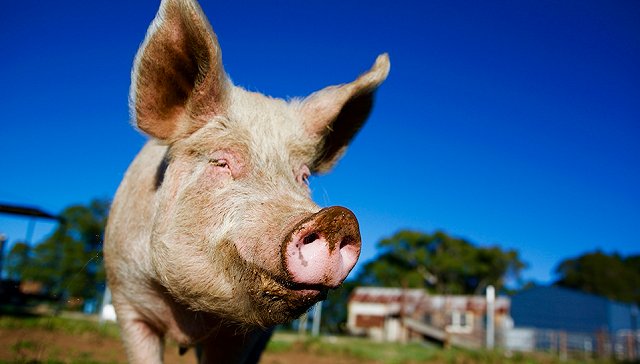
(334,115)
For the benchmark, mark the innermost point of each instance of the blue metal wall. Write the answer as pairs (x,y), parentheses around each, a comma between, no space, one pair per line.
(559,309)
(619,316)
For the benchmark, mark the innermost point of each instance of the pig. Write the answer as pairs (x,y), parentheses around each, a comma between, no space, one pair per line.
(213,236)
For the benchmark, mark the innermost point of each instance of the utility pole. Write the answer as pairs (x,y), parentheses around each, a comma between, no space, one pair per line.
(404,332)
(491,308)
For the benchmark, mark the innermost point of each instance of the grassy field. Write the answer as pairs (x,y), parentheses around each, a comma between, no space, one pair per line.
(52,340)
(366,351)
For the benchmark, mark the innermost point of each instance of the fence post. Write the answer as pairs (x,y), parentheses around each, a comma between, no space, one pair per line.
(588,349)
(634,328)
(600,344)
(631,350)
(562,336)
(553,342)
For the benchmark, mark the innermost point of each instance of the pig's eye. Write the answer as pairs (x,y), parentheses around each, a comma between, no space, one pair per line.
(219,163)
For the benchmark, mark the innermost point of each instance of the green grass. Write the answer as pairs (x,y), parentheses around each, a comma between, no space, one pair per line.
(362,350)
(366,350)
(70,326)
(25,350)
(412,353)
(359,348)
(53,361)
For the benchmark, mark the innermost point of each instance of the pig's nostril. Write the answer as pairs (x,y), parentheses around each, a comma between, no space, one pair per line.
(310,238)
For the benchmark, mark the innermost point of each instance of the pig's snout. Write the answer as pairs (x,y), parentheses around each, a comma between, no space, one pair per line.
(323,248)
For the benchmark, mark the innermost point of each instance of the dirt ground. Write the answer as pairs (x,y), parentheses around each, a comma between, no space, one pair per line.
(39,345)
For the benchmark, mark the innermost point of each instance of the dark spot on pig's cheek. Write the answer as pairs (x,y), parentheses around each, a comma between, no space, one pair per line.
(162,169)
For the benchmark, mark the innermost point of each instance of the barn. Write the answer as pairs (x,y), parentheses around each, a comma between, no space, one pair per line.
(396,314)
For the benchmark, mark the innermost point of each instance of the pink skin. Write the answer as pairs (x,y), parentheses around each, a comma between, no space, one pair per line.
(323,249)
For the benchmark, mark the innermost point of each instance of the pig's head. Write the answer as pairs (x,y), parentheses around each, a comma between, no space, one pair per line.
(235,231)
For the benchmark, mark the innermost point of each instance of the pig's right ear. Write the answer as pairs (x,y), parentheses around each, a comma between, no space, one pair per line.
(178,81)
(334,115)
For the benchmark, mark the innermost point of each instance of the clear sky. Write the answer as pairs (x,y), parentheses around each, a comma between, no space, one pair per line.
(514,123)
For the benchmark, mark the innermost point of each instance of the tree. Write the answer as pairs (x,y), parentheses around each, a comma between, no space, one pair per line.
(441,263)
(608,275)
(18,260)
(70,260)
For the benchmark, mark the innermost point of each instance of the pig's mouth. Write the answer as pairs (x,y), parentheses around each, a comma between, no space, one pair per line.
(306,287)
(274,299)
(300,293)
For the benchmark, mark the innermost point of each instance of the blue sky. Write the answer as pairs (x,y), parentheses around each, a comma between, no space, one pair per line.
(507,123)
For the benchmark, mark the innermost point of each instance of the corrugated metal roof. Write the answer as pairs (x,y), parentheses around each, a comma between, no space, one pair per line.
(393,298)
(463,303)
(385,295)
(419,299)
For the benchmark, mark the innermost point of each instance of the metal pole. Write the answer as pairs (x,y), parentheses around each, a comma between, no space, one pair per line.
(491,299)
(30,228)
(3,239)
(317,314)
